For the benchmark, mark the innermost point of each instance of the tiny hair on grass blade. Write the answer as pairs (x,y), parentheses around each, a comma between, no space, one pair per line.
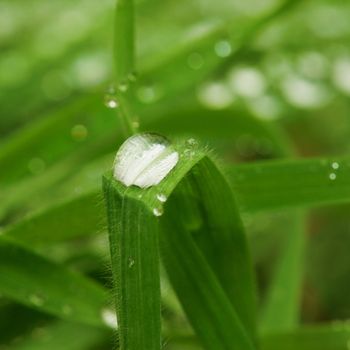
(205,255)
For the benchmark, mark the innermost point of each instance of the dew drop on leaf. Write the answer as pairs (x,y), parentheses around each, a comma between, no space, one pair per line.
(158,211)
(131,262)
(335,165)
(223,48)
(144,160)
(162,197)
(332,176)
(109,318)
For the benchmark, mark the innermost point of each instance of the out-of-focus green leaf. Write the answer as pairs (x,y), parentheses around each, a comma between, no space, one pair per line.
(37,282)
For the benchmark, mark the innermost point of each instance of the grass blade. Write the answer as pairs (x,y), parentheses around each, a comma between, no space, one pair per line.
(282,306)
(37,282)
(209,297)
(292,183)
(135,265)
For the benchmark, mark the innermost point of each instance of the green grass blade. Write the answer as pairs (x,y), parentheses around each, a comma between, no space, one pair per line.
(292,183)
(135,265)
(209,298)
(124,40)
(63,221)
(328,337)
(283,302)
(63,335)
(37,282)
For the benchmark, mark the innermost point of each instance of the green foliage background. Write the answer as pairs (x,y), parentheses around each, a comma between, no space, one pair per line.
(264,85)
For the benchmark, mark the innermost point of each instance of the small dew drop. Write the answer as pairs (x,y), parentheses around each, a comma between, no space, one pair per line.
(335,165)
(36,299)
(131,262)
(123,87)
(146,94)
(158,211)
(109,318)
(110,98)
(36,165)
(332,176)
(79,132)
(195,61)
(162,197)
(223,48)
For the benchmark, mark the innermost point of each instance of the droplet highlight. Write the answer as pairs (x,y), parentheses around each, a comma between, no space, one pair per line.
(158,211)
(332,176)
(144,160)
(109,318)
(223,48)
(162,197)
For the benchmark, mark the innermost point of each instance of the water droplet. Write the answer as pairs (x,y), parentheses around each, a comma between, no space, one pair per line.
(111,98)
(36,165)
(215,95)
(158,211)
(146,94)
(123,87)
(144,160)
(335,165)
(66,309)
(162,197)
(79,132)
(223,48)
(332,176)
(36,299)
(131,262)
(195,61)
(109,318)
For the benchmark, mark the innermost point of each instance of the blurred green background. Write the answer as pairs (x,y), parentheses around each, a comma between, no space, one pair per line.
(226,72)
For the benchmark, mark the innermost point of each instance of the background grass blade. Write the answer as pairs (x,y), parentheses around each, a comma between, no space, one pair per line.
(64,335)
(282,305)
(292,183)
(37,282)
(328,337)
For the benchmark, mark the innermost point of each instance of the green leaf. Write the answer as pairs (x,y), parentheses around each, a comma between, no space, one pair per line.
(283,302)
(64,221)
(201,279)
(292,183)
(37,282)
(63,335)
(328,337)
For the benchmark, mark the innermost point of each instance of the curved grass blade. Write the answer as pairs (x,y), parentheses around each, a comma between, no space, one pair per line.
(209,297)
(37,282)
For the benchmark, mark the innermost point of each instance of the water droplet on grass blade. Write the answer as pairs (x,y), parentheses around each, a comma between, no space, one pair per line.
(195,60)
(223,48)
(158,211)
(131,262)
(332,176)
(144,160)
(109,318)
(335,165)
(162,197)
